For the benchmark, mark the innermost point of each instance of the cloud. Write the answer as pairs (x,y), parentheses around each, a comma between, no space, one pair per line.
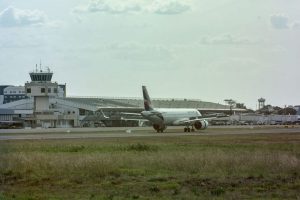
(13,17)
(282,21)
(296,25)
(279,21)
(170,7)
(111,7)
(227,39)
(166,7)
(26,42)
(132,51)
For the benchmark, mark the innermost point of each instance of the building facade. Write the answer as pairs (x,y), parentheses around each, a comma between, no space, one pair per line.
(10,93)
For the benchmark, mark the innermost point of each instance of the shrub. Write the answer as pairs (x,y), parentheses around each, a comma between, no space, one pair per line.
(141,147)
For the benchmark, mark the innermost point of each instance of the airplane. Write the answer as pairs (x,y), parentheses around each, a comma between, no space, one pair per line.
(163,117)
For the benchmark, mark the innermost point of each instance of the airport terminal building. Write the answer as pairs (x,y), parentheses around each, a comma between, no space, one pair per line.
(44,103)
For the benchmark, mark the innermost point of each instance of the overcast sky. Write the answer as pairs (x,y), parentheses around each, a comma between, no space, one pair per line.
(200,49)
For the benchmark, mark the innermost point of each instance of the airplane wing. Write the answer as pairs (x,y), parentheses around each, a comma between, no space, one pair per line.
(186,121)
(139,114)
(126,116)
(134,119)
(205,118)
(122,109)
(130,114)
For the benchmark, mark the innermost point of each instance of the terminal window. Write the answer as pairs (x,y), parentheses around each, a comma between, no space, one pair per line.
(43,90)
(28,90)
(55,90)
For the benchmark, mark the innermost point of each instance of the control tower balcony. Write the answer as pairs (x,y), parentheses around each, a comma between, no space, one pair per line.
(41,85)
(41,76)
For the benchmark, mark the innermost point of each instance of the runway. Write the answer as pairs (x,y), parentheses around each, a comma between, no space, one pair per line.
(105,132)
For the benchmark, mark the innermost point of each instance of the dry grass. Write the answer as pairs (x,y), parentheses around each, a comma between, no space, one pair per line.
(208,163)
(189,167)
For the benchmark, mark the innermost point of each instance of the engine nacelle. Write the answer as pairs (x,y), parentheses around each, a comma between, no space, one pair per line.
(201,125)
(159,127)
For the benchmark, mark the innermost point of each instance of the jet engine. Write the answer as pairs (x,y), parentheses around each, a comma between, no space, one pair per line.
(201,125)
(159,127)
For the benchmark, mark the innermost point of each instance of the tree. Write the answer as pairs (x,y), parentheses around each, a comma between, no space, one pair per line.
(231,104)
(287,111)
(240,105)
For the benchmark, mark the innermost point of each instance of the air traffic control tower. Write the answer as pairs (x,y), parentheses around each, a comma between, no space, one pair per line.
(41,89)
(44,93)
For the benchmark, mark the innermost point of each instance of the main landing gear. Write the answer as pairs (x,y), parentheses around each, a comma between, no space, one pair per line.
(188,129)
(159,128)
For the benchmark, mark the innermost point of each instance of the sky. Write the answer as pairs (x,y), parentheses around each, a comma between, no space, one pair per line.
(196,49)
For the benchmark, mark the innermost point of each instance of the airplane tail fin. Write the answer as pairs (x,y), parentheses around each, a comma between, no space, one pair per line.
(147,100)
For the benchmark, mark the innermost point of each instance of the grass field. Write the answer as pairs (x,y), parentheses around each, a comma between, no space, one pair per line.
(265,166)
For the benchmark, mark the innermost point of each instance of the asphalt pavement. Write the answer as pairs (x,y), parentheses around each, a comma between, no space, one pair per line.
(113,132)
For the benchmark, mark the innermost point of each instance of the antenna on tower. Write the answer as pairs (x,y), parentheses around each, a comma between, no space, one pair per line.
(36,68)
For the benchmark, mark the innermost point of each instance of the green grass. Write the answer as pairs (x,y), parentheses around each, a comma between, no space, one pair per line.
(189,167)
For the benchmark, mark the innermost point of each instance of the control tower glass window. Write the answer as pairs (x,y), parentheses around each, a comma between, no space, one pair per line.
(28,90)
(43,90)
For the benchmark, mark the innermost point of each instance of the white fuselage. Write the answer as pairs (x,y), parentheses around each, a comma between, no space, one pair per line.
(170,116)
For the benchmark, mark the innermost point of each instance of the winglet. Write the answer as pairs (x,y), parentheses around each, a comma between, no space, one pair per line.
(147,100)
